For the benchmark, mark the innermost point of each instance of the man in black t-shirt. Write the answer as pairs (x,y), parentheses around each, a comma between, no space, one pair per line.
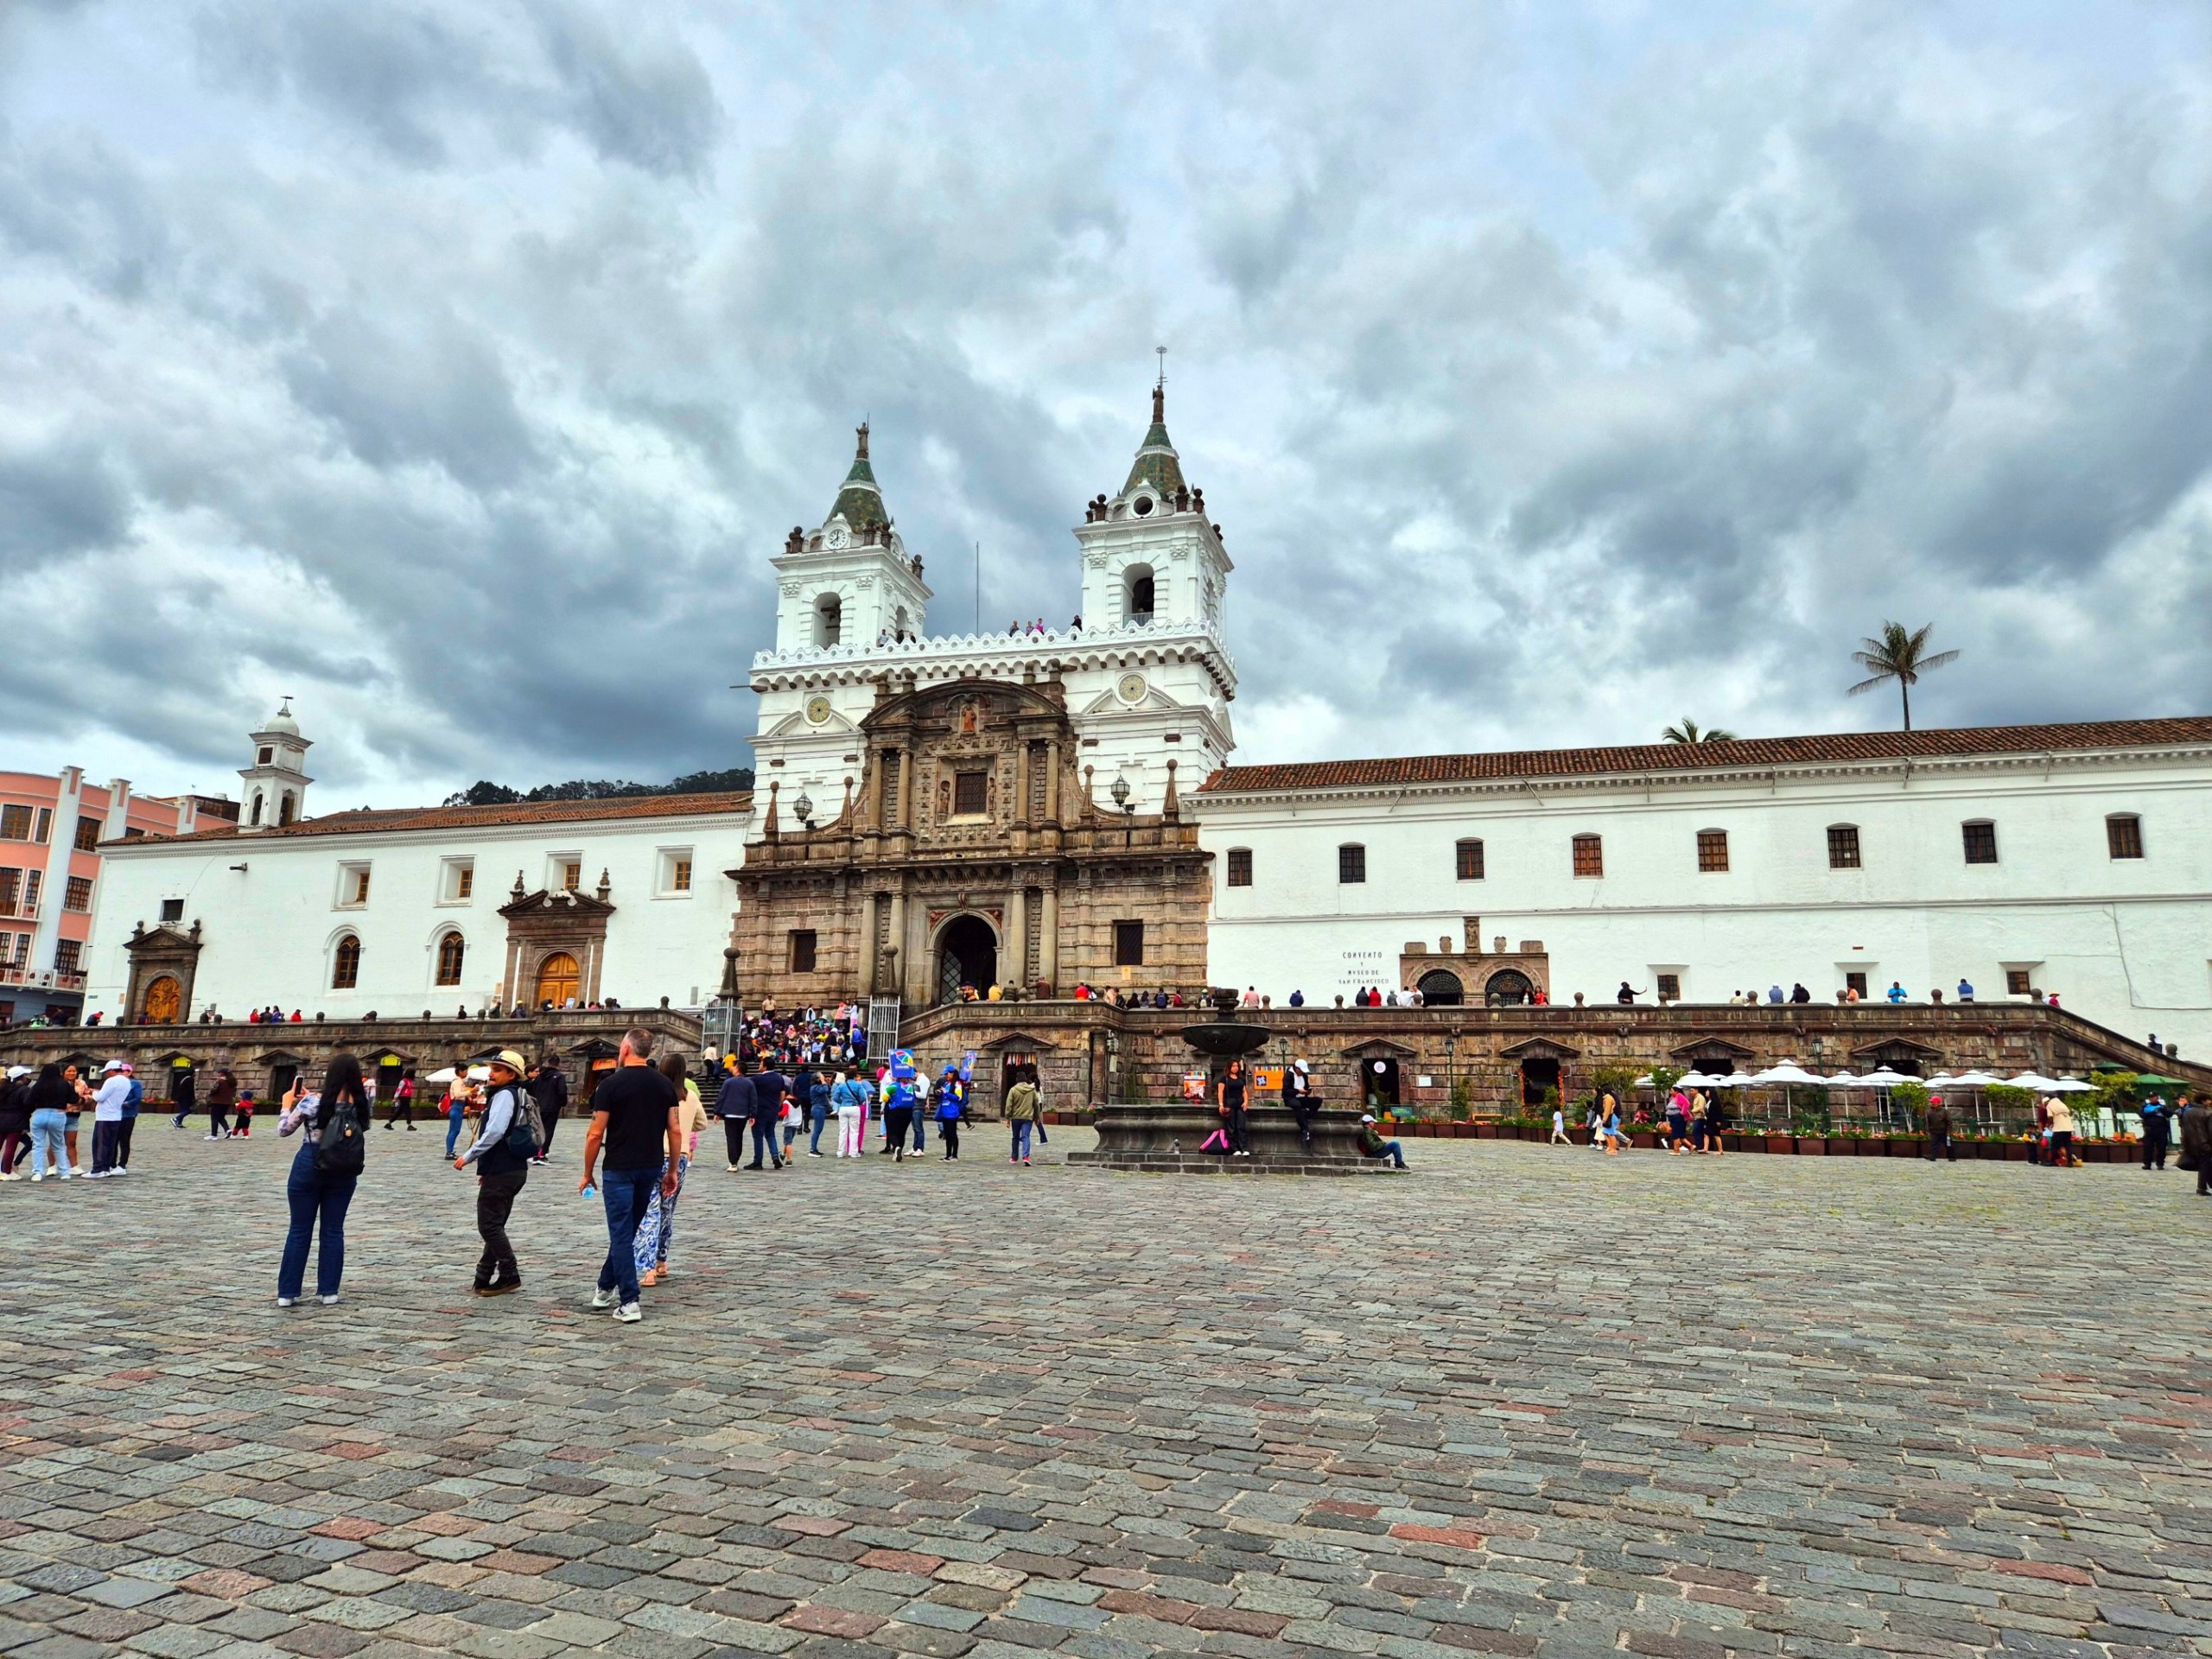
(633,1114)
(769,1089)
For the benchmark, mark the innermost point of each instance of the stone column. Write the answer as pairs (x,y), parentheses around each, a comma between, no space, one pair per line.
(1020,814)
(1052,782)
(1048,931)
(898,938)
(875,791)
(1015,969)
(906,784)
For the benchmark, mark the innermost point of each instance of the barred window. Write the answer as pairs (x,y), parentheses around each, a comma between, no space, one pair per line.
(1128,944)
(801,956)
(969,792)
(1670,987)
(1240,866)
(1352,863)
(15,824)
(78,895)
(1843,846)
(1589,856)
(2015,981)
(1713,851)
(1471,861)
(1980,838)
(2124,836)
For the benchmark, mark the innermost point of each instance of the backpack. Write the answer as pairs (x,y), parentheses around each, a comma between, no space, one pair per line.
(525,1130)
(340,1148)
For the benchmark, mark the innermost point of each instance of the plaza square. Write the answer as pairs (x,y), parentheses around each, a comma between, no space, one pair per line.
(1524,1401)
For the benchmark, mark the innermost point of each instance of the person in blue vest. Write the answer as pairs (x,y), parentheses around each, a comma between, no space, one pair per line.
(950,1102)
(902,1094)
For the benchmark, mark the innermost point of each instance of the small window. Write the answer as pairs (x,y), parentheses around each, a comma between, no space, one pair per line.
(1670,987)
(346,964)
(2124,836)
(15,824)
(1856,984)
(1981,840)
(457,880)
(1352,863)
(88,834)
(78,894)
(45,824)
(66,953)
(970,790)
(265,755)
(452,949)
(352,886)
(360,889)
(1470,861)
(1843,846)
(1240,866)
(1128,944)
(254,817)
(679,877)
(802,950)
(172,910)
(2016,980)
(828,619)
(464,880)
(287,811)
(1589,856)
(1713,851)
(572,876)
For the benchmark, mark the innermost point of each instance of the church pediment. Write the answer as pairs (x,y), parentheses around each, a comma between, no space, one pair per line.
(1020,1040)
(165,940)
(1711,1048)
(556,902)
(1539,1048)
(1377,1048)
(962,707)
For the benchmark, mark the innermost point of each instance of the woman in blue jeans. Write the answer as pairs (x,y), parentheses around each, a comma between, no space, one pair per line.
(314,1192)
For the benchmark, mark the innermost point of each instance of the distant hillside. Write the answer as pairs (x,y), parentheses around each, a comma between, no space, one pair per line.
(734,781)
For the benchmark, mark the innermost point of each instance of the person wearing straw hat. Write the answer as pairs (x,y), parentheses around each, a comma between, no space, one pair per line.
(502,1150)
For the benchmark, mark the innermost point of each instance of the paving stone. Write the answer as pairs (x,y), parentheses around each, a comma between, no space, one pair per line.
(1800,1407)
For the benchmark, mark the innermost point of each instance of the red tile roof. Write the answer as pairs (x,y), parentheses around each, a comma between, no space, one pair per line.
(366,821)
(1753,752)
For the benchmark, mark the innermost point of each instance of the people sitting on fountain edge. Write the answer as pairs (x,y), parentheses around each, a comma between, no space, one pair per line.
(1372,1145)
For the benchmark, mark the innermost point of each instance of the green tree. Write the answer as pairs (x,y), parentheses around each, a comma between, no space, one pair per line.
(1901,655)
(1687,731)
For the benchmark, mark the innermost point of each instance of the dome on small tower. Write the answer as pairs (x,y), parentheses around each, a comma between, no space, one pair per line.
(859,500)
(282,721)
(1157,463)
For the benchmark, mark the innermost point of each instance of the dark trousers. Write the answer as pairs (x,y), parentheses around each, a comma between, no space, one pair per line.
(13,1144)
(218,1120)
(2154,1146)
(1939,1140)
(1301,1107)
(763,1143)
(495,1202)
(733,1132)
(627,1193)
(2062,1147)
(948,1130)
(2204,1178)
(552,1123)
(315,1197)
(105,1138)
(1240,1130)
(123,1142)
(896,1121)
(402,1111)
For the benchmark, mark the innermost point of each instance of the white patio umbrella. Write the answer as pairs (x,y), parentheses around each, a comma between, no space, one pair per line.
(1941,1080)
(1736,1079)
(2029,1080)
(2071,1086)
(1697,1080)
(1975,1080)
(1885,1078)
(443,1074)
(1787,1072)
(1845,1080)
(1643,1081)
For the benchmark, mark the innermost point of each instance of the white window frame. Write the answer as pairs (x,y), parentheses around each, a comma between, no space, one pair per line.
(348,870)
(449,871)
(556,869)
(664,863)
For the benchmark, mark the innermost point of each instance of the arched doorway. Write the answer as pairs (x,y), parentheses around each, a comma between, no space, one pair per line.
(1508,988)
(1440,989)
(164,1000)
(968,954)
(558,979)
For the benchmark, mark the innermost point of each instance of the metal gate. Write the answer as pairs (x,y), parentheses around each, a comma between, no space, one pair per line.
(882,1025)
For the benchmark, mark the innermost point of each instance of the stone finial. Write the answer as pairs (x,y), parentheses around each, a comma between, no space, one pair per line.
(519,889)
(768,825)
(605,886)
(1170,808)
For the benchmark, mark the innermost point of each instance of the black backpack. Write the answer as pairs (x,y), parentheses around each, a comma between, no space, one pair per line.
(526,1128)
(341,1148)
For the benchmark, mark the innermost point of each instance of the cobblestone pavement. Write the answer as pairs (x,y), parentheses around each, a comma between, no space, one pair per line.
(1523,1402)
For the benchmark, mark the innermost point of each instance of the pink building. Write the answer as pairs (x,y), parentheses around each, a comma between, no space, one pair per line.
(50,832)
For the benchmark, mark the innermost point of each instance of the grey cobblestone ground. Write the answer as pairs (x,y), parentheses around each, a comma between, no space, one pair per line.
(1523,1402)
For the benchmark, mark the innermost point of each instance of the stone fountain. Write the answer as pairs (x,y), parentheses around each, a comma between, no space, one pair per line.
(1163,1137)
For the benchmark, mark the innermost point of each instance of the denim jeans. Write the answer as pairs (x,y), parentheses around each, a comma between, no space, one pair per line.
(820,1118)
(763,1142)
(1021,1127)
(313,1194)
(626,1192)
(48,1149)
(453,1130)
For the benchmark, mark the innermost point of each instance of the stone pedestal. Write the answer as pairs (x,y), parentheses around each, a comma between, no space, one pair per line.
(1165,1137)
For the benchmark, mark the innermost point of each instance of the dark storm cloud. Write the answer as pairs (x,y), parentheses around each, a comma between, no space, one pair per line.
(1554,371)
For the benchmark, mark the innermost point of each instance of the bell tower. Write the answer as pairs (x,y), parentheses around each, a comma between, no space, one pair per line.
(277,783)
(852,580)
(1150,558)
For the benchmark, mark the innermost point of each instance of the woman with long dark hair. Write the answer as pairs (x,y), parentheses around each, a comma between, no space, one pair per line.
(52,1097)
(324,1171)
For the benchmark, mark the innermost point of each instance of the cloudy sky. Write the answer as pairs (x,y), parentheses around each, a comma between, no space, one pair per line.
(1555,369)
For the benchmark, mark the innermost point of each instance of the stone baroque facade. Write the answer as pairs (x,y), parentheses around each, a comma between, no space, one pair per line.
(973,852)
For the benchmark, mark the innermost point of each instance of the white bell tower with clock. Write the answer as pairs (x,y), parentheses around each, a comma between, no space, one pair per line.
(852,580)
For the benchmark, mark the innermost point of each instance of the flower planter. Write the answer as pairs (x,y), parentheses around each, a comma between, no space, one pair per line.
(1907,1145)
(1782,1143)
(2016,1151)
(1812,1145)
(1465,1131)
(1485,1131)
(1645,1139)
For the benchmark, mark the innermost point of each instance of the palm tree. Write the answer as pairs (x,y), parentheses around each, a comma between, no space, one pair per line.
(1688,732)
(1898,655)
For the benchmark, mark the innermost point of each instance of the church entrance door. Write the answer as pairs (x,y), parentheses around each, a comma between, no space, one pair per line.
(558,979)
(968,954)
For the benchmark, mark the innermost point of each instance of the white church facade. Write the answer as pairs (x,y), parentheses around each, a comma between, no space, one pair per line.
(2068,859)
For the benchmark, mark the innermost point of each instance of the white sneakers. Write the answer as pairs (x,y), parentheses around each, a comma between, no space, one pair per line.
(629,1313)
(602,1299)
(284,1302)
(328,1301)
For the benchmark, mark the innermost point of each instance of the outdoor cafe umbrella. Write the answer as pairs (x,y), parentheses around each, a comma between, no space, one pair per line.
(2156,1081)
(1885,1078)
(2072,1086)
(1786,1073)
(2030,1080)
